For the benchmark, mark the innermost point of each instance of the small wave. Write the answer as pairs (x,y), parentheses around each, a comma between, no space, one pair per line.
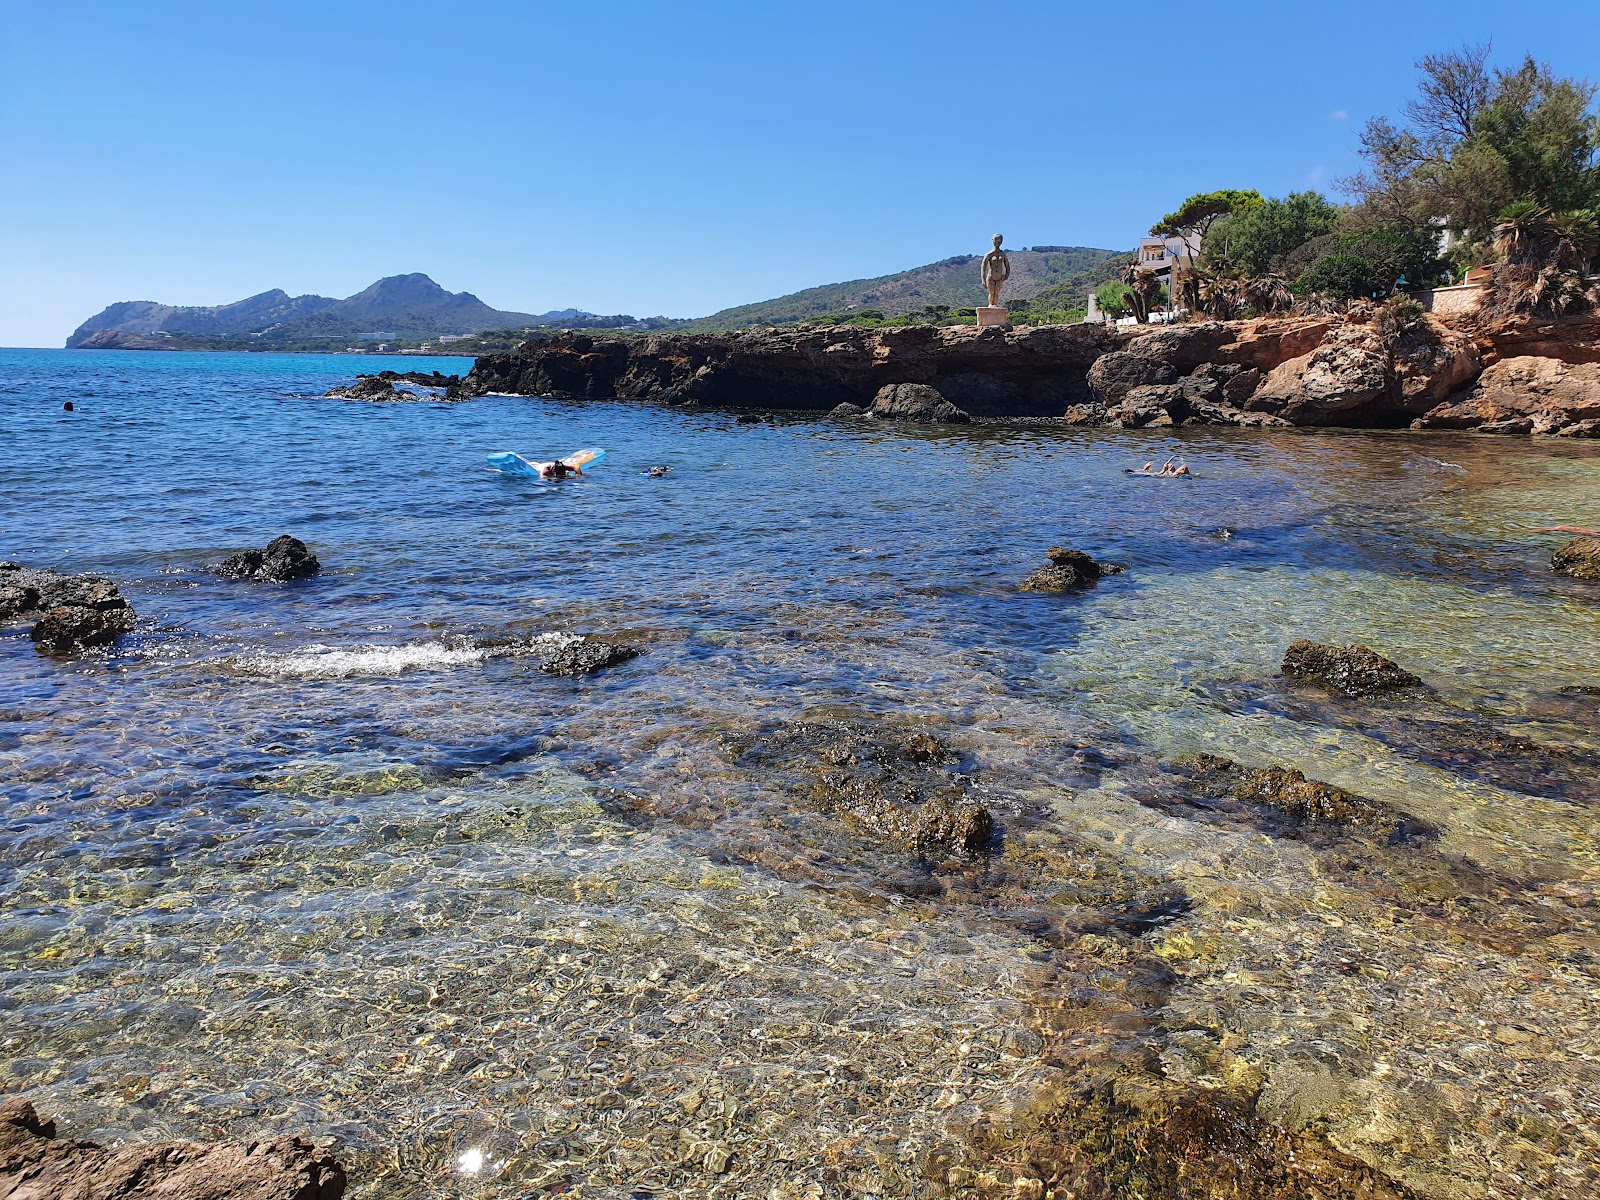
(1438,464)
(334,662)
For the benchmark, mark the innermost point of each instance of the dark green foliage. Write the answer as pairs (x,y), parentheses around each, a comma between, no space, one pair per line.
(1256,240)
(1371,263)
(1477,141)
(1196,214)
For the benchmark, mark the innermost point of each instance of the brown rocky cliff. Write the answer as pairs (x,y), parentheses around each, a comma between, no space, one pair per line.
(1280,371)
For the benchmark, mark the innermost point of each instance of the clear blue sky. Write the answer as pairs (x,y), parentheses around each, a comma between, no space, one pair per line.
(667,157)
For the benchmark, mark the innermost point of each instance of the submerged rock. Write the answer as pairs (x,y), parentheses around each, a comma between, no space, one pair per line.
(1288,791)
(916,402)
(1066,571)
(284,558)
(76,611)
(35,1163)
(890,788)
(1355,670)
(1579,558)
(586,655)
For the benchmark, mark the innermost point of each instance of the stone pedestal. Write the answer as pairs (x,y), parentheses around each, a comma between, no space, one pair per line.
(993,316)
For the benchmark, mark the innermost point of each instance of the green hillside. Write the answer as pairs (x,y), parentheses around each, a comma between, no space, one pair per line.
(953,282)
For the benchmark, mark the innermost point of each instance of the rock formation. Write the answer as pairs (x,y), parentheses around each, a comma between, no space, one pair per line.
(1067,571)
(1355,670)
(916,402)
(72,612)
(1349,371)
(586,655)
(1579,558)
(37,1165)
(284,558)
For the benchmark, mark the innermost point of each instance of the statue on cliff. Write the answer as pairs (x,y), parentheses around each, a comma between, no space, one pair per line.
(996,270)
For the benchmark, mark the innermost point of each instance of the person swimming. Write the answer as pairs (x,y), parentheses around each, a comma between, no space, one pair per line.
(558,470)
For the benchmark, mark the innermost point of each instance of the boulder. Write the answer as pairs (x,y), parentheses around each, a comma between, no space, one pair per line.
(1355,670)
(1116,374)
(1440,363)
(916,402)
(1349,372)
(847,412)
(37,1165)
(1527,394)
(1286,790)
(68,628)
(1066,571)
(75,611)
(585,655)
(284,558)
(1579,558)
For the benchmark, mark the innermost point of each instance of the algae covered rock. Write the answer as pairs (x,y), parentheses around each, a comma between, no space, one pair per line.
(586,655)
(284,558)
(1067,571)
(68,628)
(34,1162)
(1579,558)
(1355,670)
(75,611)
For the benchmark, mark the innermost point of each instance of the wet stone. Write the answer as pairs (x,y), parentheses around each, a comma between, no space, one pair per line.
(1355,670)
(1066,571)
(283,559)
(1578,558)
(586,655)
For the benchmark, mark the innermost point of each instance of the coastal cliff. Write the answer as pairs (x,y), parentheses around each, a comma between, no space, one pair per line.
(1360,369)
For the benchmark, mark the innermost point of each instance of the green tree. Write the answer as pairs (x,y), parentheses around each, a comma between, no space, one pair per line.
(1114,298)
(1476,141)
(1256,240)
(1200,211)
(1371,262)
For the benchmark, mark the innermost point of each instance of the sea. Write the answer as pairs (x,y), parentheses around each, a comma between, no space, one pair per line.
(336,859)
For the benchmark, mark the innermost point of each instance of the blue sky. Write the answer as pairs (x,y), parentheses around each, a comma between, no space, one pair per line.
(653,158)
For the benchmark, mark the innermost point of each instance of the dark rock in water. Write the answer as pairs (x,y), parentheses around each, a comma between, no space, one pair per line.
(1066,571)
(887,787)
(78,611)
(68,628)
(1355,670)
(67,407)
(436,379)
(1287,791)
(847,411)
(916,402)
(37,1165)
(368,387)
(587,654)
(1579,558)
(747,419)
(285,558)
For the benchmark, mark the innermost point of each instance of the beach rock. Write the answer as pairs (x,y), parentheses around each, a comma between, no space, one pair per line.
(68,628)
(1526,394)
(586,655)
(1067,571)
(1355,670)
(284,558)
(368,387)
(77,611)
(1579,558)
(847,412)
(1116,374)
(1442,362)
(916,402)
(1338,381)
(891,788)
(1287,791)
(35,1164)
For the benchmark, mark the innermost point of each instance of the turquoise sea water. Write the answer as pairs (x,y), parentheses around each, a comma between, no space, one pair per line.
(335,856)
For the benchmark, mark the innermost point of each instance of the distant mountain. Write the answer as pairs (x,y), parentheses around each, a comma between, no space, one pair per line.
(952,281)
(401,305)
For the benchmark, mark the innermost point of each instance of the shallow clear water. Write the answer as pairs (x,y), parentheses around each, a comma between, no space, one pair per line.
(335,856)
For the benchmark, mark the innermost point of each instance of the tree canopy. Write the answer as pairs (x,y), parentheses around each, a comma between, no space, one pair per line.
(1256,239)
(1198,212)
(1477,140)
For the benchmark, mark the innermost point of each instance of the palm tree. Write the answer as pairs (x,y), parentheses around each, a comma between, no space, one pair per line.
(1543,258)
(1145,290)
(1268,294)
